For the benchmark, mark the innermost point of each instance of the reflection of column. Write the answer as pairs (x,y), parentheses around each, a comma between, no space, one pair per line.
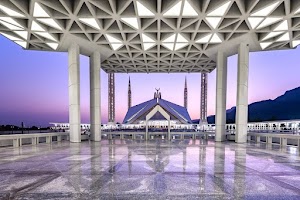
(111,154)
(219,164)
(95,105)
(242,94)
(74,150)
(184,159)
(202,167)
(239,172)
(96,161)
(194,139)
(146,133)
(112,166)
(129,160)
(220,118)
(34,148)
(18,151)
(74,94)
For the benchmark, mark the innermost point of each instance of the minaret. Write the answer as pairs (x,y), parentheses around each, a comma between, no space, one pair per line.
(203,100)
(185,94)
(111,98)
(129,94)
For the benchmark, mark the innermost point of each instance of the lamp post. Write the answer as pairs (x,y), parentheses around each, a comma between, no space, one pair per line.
(22,125)
(12,129)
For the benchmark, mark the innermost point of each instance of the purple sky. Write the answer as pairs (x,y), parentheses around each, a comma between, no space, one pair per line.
(34,85)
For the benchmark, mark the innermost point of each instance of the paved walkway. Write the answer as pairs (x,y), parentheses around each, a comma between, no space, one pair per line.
(149,170)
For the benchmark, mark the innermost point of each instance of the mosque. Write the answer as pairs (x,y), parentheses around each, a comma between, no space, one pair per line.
(157,113)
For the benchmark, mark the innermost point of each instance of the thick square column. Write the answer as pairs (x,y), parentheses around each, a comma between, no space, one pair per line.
(74,94)
(221,88)
(95,101)
(241,118)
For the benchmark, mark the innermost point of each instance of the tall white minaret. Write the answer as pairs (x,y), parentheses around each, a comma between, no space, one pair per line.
(185,94)
(129,94)
(203,101)
(111,98)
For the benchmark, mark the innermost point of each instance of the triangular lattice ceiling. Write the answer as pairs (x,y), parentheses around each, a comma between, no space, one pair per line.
(152,36)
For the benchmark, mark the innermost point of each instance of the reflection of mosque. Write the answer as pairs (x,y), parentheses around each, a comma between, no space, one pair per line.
(157,153)
(158,157)
(159,165)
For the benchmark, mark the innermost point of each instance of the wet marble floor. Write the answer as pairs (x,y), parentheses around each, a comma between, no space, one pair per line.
(149,170)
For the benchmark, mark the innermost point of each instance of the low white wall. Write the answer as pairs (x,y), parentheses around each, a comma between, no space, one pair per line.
(7,140)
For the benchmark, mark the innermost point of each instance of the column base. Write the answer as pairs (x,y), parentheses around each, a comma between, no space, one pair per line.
(201,123)
(75,141)
(111,123)
(221,139)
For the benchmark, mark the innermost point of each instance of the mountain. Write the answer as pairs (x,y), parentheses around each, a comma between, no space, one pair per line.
(284,107)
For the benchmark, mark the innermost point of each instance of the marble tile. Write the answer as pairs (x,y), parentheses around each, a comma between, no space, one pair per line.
(292,180)
(255,186)
(128,184)
(128,169)
(77,158)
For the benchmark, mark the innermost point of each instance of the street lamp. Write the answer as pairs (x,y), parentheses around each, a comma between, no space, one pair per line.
(12,129)
(22,124)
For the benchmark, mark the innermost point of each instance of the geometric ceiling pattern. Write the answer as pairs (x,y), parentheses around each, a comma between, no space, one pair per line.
(152,35)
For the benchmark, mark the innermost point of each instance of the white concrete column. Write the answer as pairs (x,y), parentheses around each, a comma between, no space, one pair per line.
(221,88)
(95,92)
(59,138)
(74,94)
(33,141)
(16,142)
(241,118)
(48,139)
(257,139)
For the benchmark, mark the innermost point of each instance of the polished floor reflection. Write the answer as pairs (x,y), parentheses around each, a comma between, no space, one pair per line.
(188,169)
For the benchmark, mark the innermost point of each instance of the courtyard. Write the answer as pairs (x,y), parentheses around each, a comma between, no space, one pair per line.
(156,169)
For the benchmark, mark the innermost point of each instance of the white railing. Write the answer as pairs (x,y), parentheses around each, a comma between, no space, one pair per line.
(267,126)
(290,126)
(164,135)
(271,126)
(19,139)
(271,138)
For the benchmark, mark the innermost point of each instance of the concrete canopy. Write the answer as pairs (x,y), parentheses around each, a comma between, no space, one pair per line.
(152,35)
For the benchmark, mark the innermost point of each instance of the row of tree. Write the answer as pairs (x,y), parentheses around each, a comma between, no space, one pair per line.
(9,127)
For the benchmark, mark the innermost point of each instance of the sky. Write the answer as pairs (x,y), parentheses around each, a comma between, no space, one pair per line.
(34,85)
